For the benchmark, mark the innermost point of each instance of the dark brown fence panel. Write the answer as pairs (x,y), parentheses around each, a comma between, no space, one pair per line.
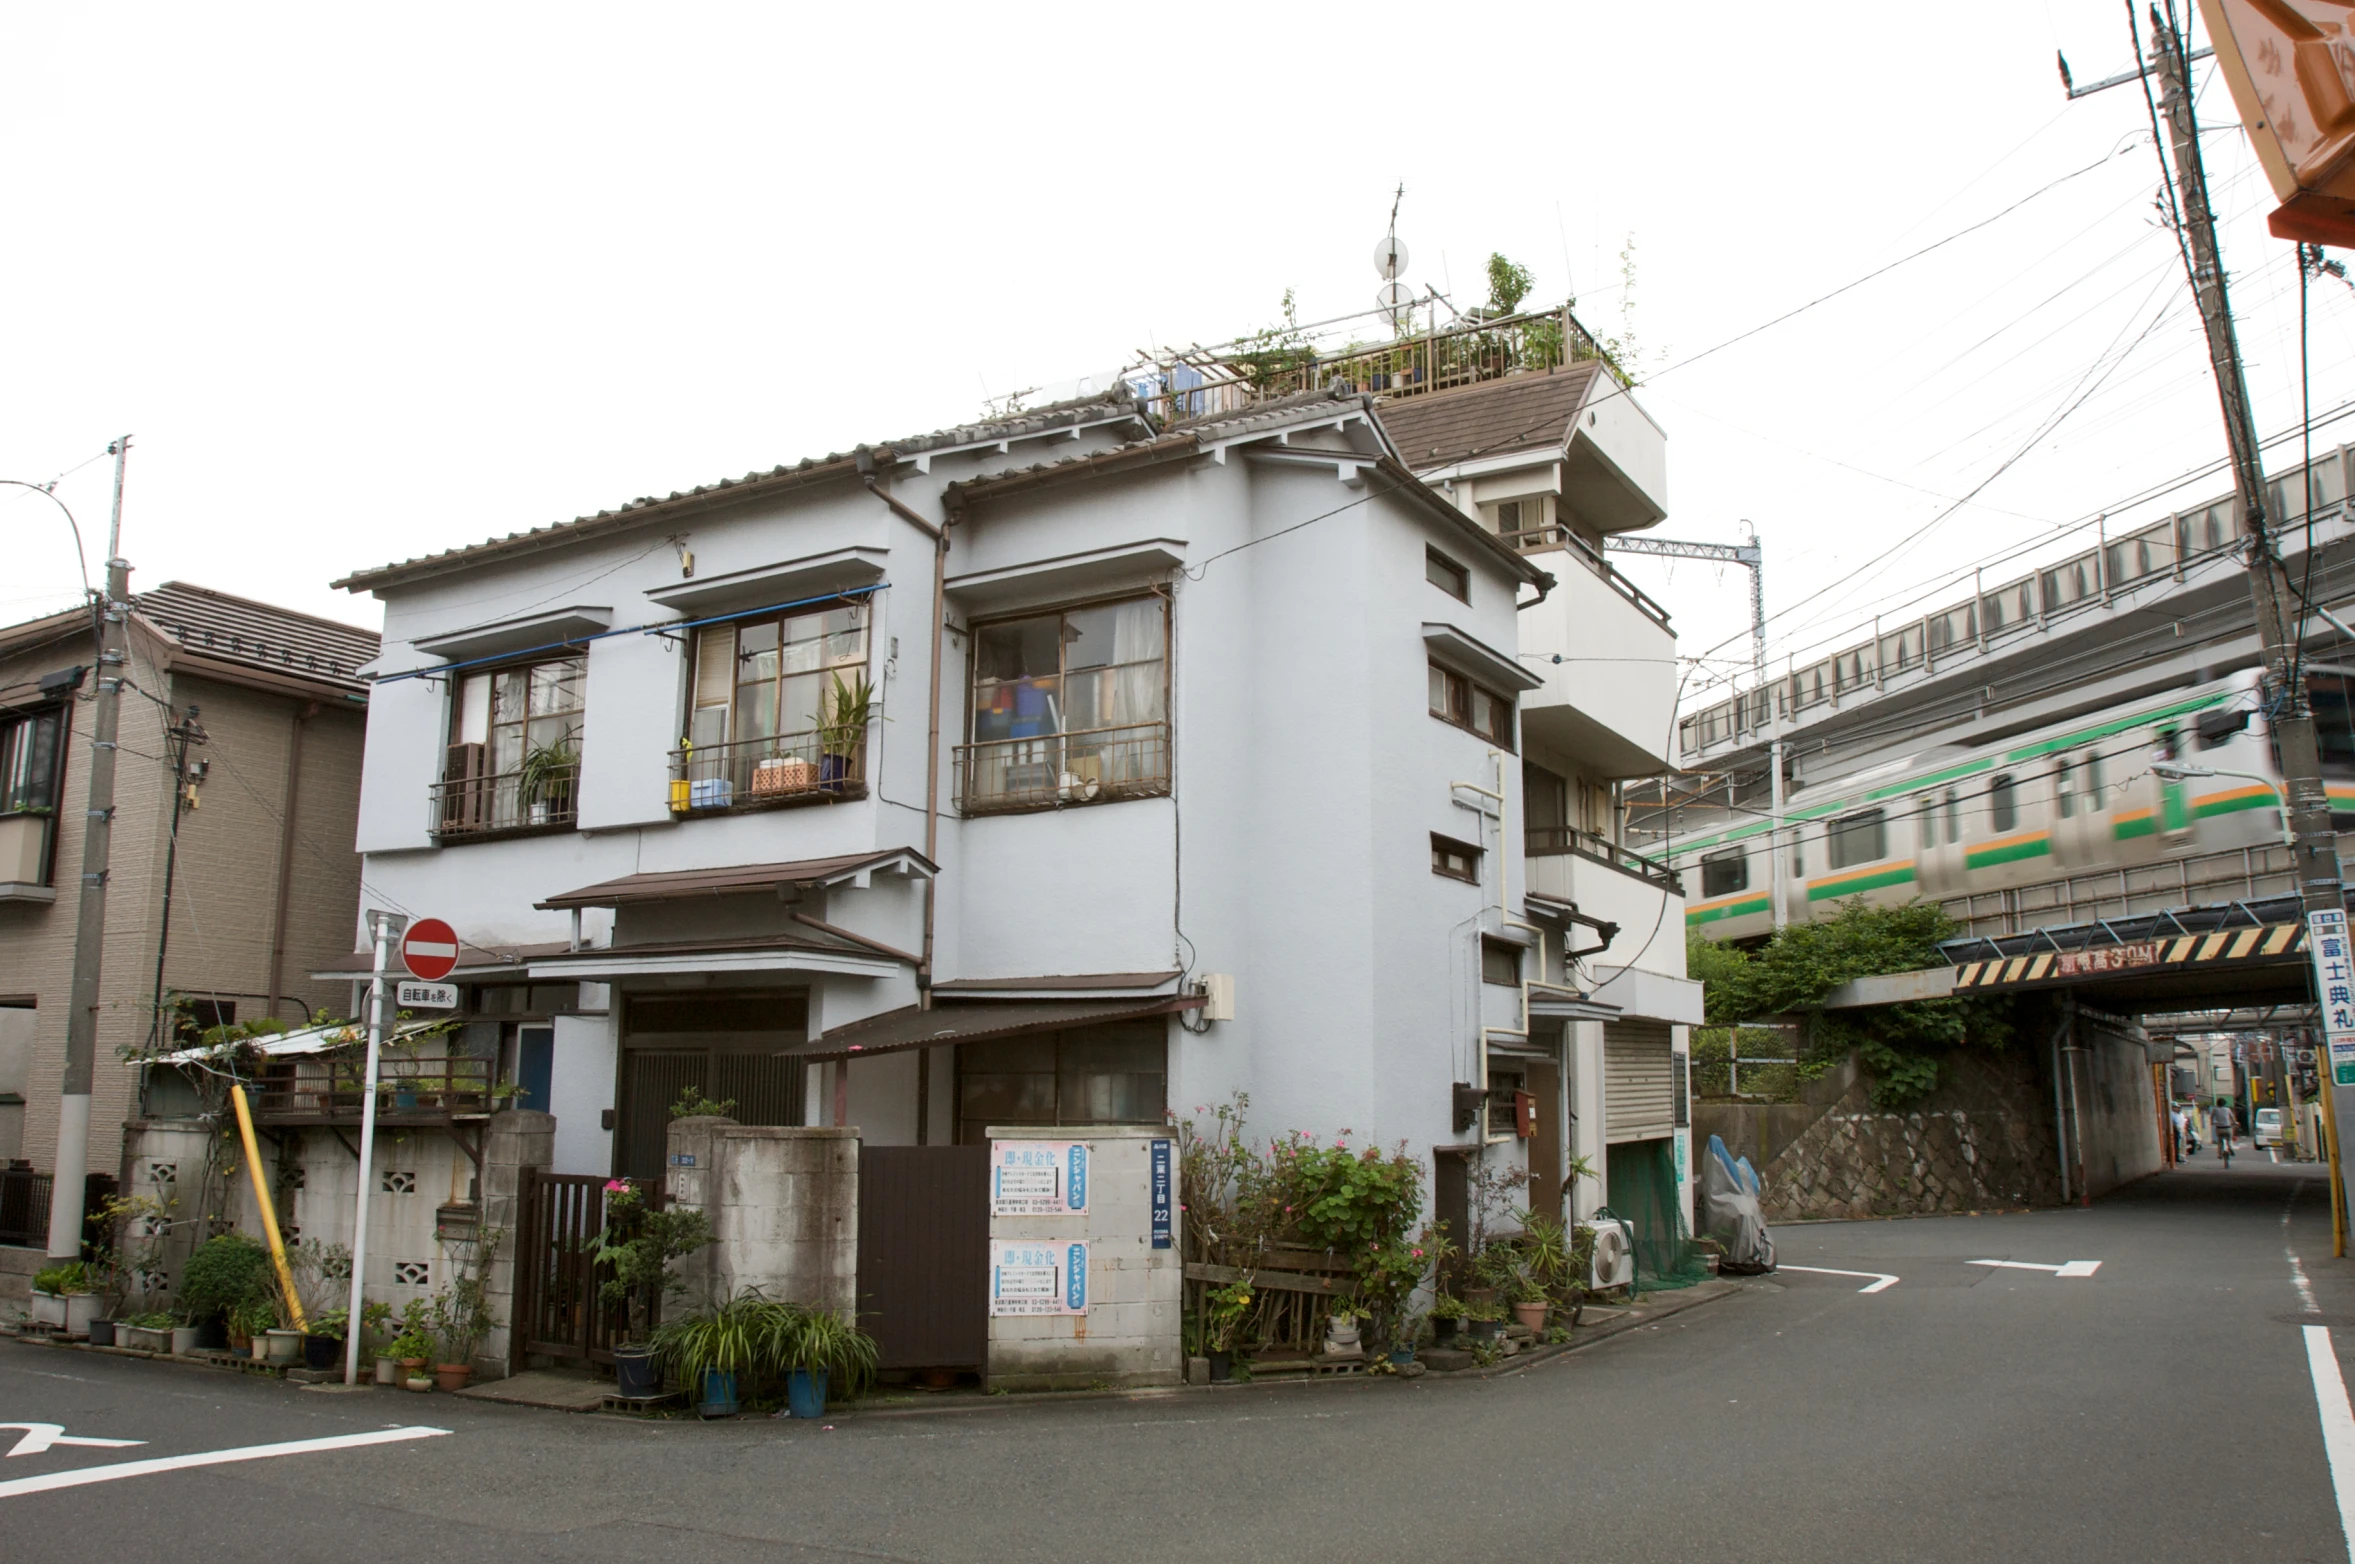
(558,1282)
(656,1077)
(24,1208)
(924,1255)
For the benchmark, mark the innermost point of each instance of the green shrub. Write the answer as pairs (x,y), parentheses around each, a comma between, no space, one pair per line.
(223,1273)
(73,1276)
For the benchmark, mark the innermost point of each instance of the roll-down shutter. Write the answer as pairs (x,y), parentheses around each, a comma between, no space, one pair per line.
(1638,1095)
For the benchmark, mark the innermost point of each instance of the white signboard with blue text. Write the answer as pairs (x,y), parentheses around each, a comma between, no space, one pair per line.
(1038,1276)
(1038,1178)
(2334,982)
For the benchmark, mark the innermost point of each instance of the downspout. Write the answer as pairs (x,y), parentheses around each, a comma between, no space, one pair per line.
(290,797)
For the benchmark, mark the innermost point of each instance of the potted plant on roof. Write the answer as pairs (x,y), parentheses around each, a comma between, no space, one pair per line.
(639,1248)
(543,783)
(842,730)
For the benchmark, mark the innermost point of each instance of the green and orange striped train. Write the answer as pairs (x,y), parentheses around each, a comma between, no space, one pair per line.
(2048,805)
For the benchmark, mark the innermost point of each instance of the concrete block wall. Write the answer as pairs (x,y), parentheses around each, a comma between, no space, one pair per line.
(784,1209)
(516,1140)
(1133,1332)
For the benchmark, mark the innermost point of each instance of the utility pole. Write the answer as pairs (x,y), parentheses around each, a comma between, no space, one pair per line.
(71,1165)
(182,734)
(2314,858)
(1753,558)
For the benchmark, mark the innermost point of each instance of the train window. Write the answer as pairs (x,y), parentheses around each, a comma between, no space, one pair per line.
(2218,727)
(2170,744)
(2333,698)
(1859,838)
(2064,789)
(2003,805)
(1723,873)
(1953,818)
(2093,782)
(1929,820)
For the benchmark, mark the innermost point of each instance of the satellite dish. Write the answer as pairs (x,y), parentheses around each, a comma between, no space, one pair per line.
(1394,296)
(1390,257)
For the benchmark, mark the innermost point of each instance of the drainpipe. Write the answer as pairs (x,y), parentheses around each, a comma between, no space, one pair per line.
(940,571)
(290,797)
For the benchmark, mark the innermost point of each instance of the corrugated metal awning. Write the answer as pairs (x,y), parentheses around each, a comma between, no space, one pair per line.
(739,879)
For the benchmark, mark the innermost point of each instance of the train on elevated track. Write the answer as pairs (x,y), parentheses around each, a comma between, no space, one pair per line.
(2055,825)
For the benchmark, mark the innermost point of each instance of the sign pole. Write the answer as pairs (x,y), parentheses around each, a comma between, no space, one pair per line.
(382,927)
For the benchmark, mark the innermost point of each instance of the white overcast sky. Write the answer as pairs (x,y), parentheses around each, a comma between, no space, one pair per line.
(364,283)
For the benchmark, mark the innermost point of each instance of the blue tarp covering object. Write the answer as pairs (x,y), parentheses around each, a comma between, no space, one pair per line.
(1730,1212)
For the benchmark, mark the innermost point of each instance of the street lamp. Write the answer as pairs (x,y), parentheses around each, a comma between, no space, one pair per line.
(2175,771)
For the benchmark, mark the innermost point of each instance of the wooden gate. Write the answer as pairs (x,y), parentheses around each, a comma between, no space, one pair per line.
(924,1255)
(558,1282)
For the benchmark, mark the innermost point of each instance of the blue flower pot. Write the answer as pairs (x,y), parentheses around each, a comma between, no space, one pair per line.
(719,1393)
(1400,1357)
(805,1392)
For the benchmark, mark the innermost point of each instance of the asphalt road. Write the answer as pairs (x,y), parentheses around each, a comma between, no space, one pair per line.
(2161,1408)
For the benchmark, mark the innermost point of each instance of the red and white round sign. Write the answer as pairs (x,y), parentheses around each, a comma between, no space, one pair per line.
(430,950)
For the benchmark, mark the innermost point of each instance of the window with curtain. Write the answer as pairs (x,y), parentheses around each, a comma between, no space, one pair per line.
(28,764)
(1070,707)
(779,708)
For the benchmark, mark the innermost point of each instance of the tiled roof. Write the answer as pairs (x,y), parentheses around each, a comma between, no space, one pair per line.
(261,635)
(835,464)
(1518,413)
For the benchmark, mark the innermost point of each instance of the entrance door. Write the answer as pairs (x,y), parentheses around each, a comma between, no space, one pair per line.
(1451,1205)
(1545,1140)
(924,1255)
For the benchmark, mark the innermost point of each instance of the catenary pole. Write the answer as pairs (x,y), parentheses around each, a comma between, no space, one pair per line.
(384,928)
(2314,856)
(72,1161)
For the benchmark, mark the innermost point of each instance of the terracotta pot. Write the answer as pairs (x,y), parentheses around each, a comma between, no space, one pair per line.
(1531,1316)
(452,1376)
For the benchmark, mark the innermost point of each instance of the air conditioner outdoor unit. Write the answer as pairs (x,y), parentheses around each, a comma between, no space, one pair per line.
(1614,1258)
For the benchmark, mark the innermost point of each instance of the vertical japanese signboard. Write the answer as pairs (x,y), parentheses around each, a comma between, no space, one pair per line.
(1163,1197)
(2334,984)
(1038,1178)
(1038,1276)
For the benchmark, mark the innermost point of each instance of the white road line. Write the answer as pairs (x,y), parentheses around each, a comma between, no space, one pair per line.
(18,1487)
(2338,1426)
(40,1436)
(2075,1269)
(1880,1279)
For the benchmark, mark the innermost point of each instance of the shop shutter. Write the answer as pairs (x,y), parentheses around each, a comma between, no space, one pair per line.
(1638,1081)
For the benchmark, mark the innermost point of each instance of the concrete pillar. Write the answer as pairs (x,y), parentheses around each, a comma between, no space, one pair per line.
(784,1208)
(518,1139)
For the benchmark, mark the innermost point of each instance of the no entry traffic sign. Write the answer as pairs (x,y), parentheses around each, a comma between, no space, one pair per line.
(430,950)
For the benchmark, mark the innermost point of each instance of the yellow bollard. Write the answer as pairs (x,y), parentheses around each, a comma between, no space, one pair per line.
(261,1195)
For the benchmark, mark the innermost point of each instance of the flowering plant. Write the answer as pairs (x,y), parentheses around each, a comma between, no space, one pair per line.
(638,1247)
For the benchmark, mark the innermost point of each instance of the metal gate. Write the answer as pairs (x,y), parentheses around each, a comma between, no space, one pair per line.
(924,1255)
(559,1310)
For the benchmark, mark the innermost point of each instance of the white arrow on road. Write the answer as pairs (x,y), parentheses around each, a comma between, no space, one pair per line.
(1880,1279)
(40,1436)
(2074,1268)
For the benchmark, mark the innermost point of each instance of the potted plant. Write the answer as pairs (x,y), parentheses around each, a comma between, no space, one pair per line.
(638,1247)
(828,1354)
(411,1349)
(1447,1313)
(184,1332)
(1483,1323)
(1529,1308)
(842,729)
(251,1324)
(323,1341)
(149,1331)
(1341,1330)
(1226,1309)
(221,1274)
(461,1311)
(64,1298)
(544,781)
(713,1350)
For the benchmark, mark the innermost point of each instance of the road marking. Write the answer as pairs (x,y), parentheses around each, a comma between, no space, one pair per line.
(1880,1279)
(40,1436)
(176,1463)
(2338,1426)
(2075,1268)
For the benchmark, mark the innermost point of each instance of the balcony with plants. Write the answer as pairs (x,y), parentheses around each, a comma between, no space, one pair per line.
(824,764)
(513,764)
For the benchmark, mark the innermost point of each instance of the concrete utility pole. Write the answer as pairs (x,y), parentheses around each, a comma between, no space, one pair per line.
(1753,558)
(2314,859)
(72,1162)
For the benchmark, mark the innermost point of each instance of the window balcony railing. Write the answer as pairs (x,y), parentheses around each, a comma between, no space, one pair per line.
(1053,769)
(789,768)
(332,1087)
(480,804)
(1556,841)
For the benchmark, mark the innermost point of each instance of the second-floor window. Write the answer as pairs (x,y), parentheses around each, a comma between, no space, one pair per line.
(1457,699)
(1070,707)
(30,747)
(515,748)
(779,710)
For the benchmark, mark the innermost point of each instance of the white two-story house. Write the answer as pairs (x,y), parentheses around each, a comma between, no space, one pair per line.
(1069,768)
